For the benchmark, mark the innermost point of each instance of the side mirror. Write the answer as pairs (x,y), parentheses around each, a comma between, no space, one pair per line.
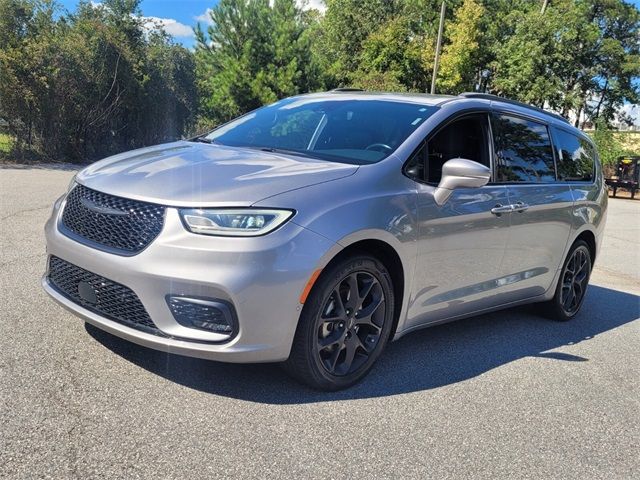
(460,173)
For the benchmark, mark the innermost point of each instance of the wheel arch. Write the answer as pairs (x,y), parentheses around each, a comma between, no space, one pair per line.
(590,239)
(390,258)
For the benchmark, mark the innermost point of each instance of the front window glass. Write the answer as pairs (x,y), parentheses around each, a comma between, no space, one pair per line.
(575,158)
(348,130)
(524,150)
(465,138)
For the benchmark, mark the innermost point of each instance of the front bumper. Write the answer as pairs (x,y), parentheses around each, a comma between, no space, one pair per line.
(262,277)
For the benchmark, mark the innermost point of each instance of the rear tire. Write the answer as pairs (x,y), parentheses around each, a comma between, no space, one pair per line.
(344,325)
(572,284)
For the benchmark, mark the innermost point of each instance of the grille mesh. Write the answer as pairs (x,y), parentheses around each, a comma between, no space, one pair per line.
(126,226)
(112,300)
(205,316)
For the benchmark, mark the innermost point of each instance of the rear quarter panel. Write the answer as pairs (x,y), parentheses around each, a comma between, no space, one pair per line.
(590,207)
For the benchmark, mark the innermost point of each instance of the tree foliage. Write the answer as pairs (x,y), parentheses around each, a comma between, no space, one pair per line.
(459,65)
(578,57)
(84,84)
(609,147)
(81,86)
(255,52)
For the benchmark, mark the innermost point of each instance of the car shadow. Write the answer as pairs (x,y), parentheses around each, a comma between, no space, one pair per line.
(423,360)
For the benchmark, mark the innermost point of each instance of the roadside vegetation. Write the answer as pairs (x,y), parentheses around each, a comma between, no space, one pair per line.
(81,85)
(6,144)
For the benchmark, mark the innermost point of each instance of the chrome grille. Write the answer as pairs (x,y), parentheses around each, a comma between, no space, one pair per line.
(107,298)
(111,223)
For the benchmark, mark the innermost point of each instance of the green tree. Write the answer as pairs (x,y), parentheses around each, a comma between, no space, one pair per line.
(576,52)
(459,64)
(609,148)
(380,45)
(347,24)
(394,58)
(83,85)
(253,53)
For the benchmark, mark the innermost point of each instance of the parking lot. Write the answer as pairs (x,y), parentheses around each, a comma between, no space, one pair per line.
(503,395)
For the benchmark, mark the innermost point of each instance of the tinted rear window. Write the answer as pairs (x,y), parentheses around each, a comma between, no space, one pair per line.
(524,150)
(343,129)
(576,157)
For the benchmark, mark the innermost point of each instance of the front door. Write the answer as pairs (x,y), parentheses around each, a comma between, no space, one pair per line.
(461,243)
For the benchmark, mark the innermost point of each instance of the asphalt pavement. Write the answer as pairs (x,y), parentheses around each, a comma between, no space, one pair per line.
(504,395)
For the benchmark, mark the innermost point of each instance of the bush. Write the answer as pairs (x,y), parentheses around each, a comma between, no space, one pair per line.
(83,86)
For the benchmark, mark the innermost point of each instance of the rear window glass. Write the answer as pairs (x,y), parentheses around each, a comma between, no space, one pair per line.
(524,150)
(576,157)
(342,129)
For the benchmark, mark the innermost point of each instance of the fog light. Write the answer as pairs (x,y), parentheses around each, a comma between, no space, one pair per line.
(216,316)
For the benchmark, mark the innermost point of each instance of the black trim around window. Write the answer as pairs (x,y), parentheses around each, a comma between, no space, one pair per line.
(493,156)
(579,135)
(445,123)
(529,118)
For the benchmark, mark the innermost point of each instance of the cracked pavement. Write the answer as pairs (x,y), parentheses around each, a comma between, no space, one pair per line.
(503,395)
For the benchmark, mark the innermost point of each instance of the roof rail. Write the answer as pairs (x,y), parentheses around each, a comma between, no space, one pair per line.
(347,89)
(488,96)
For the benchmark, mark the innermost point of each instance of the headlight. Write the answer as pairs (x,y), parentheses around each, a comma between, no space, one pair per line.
(246,222)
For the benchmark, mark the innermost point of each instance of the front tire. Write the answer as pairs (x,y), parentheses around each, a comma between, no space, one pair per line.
(572,284)
(345,324)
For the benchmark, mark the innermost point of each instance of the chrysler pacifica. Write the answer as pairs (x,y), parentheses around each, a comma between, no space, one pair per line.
(315,230)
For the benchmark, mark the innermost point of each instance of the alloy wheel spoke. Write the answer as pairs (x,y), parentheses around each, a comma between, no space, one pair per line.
(367,290)
(570,299)
(566,291)
(351,346)
(577,288)
(571,266)
(354,292)
(333,359)
(335,338)
(339,308)
(365,316)
(369,343)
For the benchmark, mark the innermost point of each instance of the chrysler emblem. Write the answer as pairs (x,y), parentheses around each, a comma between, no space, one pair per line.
(94,207)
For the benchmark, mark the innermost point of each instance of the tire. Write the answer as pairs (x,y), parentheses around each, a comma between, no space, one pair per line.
(572,284)
(340,335)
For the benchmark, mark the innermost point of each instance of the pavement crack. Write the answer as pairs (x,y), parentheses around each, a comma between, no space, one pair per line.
(27,210)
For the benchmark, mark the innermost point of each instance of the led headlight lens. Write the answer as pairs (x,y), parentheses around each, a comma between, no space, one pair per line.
(246,222)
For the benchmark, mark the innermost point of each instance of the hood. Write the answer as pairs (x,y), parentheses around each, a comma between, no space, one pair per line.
(199,174)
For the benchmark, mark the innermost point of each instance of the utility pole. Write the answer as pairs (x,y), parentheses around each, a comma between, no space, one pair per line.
(544,6)
(436,62)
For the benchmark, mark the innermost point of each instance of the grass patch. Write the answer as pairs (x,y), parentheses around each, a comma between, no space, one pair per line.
(6,143)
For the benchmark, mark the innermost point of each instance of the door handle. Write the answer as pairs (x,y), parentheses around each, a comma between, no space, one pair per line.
(520,207)
(500,209)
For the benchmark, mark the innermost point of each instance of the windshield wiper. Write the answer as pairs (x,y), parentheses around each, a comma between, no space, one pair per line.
(202,140)
(302,153)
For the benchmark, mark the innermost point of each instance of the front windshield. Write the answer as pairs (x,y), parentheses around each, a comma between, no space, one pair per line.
(348,130)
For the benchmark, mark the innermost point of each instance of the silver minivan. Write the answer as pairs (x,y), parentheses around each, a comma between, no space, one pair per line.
(314,230)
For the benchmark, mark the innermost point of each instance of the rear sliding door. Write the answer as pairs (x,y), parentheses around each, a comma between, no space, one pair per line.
(541,223)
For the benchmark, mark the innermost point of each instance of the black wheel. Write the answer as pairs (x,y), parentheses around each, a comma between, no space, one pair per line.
(572,285)
(344,325)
